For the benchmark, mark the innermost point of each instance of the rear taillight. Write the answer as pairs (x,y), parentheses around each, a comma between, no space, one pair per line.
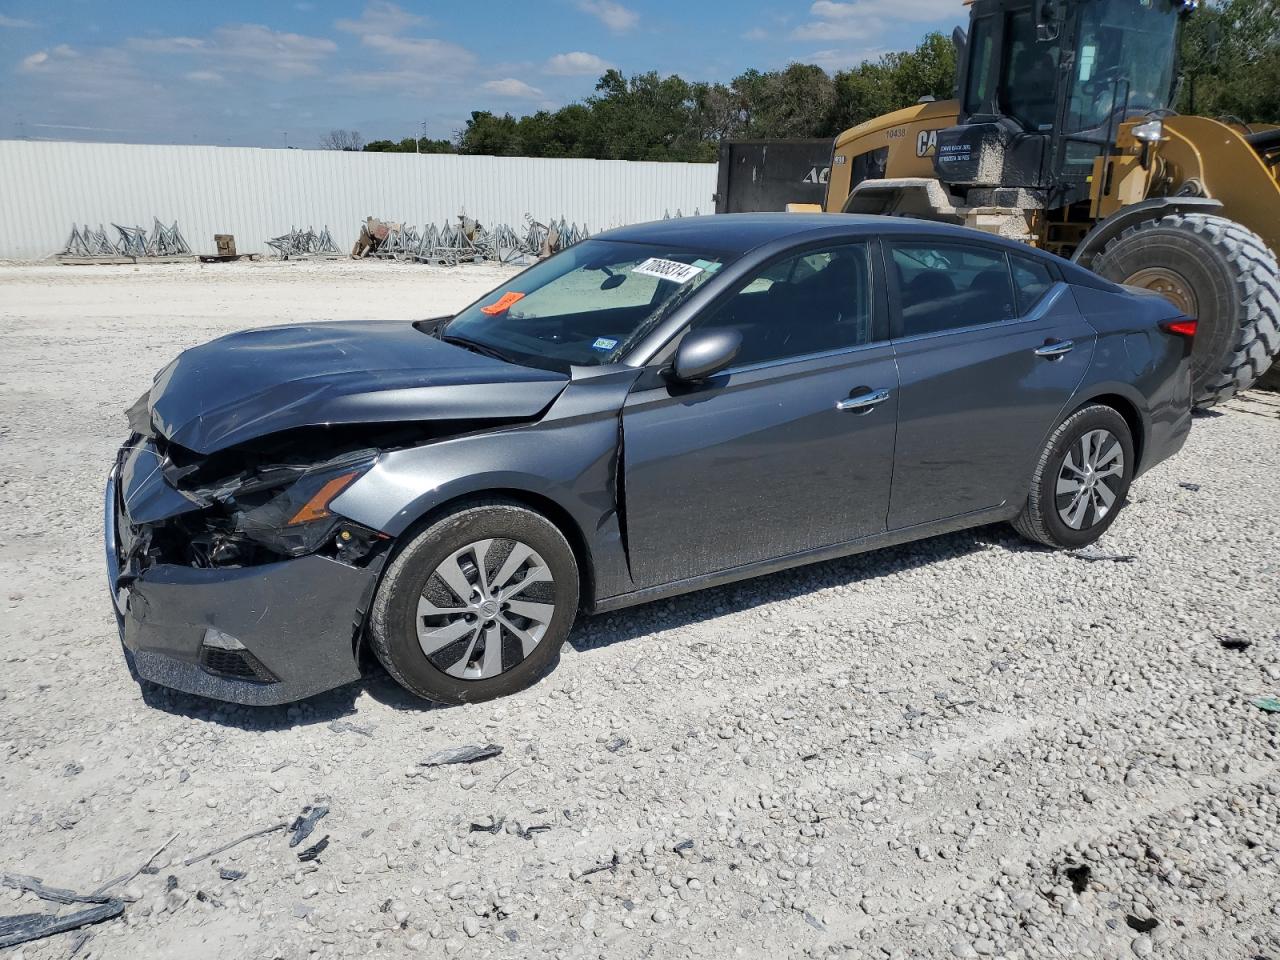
(1183,326)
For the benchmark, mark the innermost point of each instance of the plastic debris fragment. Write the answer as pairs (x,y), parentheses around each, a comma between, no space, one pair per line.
(468,754)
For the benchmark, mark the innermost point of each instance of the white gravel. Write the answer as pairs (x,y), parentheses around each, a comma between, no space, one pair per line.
(963,747)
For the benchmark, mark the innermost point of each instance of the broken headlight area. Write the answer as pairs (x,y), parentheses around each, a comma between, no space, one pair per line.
(262,515)
(289,521)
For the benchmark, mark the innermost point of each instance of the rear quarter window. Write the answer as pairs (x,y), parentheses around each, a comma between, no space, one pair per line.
(1031,281)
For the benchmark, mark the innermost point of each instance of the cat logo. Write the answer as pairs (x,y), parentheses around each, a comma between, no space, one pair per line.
(817,175)
(926,143)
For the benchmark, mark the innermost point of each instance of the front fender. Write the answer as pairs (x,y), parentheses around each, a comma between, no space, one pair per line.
(1104,231)
(569,462)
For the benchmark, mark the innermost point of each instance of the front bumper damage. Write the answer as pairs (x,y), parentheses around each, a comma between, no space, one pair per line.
(260,634)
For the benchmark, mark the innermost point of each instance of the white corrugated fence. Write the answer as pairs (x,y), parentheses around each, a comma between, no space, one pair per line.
(257,193)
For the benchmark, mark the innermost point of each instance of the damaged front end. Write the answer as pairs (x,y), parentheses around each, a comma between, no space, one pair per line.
(231,576)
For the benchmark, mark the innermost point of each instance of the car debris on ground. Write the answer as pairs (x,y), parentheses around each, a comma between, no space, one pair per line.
(305,823)
(468,754)
(25,927)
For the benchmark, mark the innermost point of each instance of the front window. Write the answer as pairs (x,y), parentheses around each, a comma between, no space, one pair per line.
(1124,59)
(815,302)
(585,306)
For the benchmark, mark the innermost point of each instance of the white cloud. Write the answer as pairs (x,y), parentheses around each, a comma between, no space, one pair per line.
(204,76)
(43,60)
(79,77)
(422,53)
(577,63)
(81,128)
(613,15)
(401,61)
(859,19)
(170,44)
(13,23)
(755,33)
(249,46)
(380,17)
(833,60)
(513,88)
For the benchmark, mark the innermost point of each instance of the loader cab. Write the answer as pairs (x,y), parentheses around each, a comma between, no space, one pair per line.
(1045,84)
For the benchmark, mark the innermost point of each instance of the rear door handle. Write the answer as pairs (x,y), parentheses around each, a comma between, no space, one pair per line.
(864,401)
(1056,348)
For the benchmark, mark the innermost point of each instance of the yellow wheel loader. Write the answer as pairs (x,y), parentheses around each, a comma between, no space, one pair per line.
(1062,135)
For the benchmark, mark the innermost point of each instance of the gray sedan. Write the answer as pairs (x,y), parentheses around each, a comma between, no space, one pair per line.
(661,408)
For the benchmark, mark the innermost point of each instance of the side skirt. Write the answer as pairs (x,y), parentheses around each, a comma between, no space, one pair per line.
(847,548)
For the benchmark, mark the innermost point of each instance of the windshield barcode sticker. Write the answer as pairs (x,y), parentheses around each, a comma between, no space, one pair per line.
(672,270)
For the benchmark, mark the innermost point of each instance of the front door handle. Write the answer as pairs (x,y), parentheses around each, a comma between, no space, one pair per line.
(1055,348)
(864,401)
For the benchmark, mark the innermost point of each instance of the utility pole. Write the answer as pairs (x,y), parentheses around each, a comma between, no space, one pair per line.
(417,144)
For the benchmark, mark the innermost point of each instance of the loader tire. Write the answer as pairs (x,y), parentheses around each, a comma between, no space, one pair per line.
(1217,271)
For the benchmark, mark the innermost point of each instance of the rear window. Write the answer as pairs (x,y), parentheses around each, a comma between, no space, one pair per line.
(950,286)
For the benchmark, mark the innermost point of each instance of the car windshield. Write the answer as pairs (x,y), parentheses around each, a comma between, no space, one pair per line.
(583,307)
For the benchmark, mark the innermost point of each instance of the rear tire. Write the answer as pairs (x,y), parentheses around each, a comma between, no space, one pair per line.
(521,581)
(1079,483)
(1218,271)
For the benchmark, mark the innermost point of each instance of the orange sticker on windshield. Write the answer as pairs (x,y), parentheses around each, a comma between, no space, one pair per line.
(502,303)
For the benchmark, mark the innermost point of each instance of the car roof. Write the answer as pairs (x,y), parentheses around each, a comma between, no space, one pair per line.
(739,233)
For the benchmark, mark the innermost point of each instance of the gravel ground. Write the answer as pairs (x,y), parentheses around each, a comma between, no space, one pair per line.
(961,747)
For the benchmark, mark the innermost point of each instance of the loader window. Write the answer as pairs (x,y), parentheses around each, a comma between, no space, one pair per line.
(868,166)
(1030,74)
(979,92)
(1123,65)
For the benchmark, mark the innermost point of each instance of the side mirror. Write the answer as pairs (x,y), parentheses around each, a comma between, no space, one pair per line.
(705,353)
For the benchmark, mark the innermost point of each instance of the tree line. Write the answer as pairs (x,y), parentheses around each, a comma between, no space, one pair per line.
(651,117)
(1229,60)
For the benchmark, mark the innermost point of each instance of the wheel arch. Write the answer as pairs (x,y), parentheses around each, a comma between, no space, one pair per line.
(1104,231)
(561,518)
(556,513)
(1118,399)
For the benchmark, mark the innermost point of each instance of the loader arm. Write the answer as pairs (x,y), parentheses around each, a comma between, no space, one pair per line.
(1229,169)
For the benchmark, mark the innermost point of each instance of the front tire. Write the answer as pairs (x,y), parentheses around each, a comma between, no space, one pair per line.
(477,605)
(1080,481)
(1217,271)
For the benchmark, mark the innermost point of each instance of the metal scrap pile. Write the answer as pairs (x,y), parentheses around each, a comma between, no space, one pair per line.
(132,242)
(303,243)
(468,241)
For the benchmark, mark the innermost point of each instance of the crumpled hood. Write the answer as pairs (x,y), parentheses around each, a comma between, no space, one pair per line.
(250,384)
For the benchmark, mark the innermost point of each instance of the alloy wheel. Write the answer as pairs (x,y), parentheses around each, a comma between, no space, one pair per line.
(1090,478)
(485,608)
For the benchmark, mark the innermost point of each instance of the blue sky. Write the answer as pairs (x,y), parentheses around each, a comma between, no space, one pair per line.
(263,73)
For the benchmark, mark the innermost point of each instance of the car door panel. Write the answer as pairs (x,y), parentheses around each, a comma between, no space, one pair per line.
(976,405)
(756,464)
